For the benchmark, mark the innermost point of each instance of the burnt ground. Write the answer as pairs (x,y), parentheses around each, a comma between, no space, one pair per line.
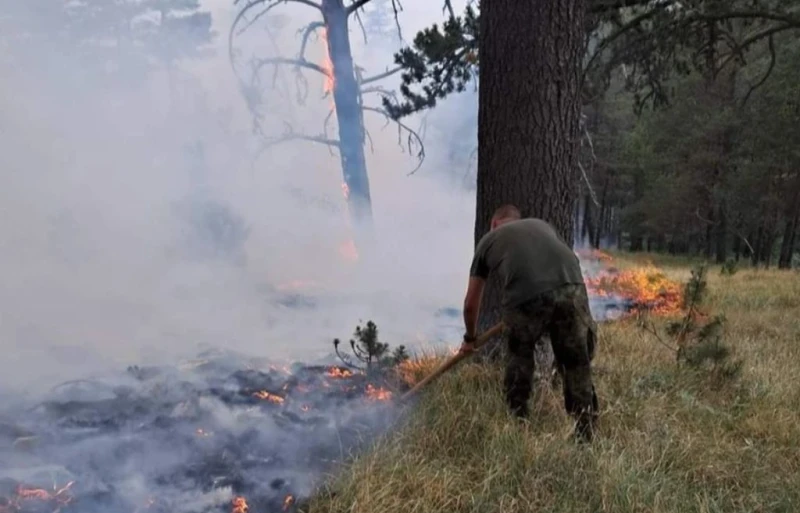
(188,440)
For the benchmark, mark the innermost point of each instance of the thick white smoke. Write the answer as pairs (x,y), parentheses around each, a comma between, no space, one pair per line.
(104,187)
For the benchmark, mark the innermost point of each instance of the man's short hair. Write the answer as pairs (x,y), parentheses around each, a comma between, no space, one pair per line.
(507,212)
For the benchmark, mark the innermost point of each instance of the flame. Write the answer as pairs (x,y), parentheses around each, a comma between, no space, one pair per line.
(305,407)
(647,287)
(240,505)
(327,64)
(378,394)
(594,254)
(59,498)
(266,396)
(336,372)
(287,502)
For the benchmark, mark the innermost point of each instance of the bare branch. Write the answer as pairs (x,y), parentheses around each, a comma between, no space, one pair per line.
(300,63)
(448,6)
(624,29)
(369,138)
(302,137)
(397,7)
(602,6)
(413,137)
(309,29)
(588,185)
(361,24)
(326,123)
(712,223)
(381,76)
(772,59)
(358,4)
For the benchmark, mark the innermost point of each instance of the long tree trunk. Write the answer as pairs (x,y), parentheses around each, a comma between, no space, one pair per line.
(601,225)
(787,244)
(722,232)
(790,229)
(528,115)
(350,118)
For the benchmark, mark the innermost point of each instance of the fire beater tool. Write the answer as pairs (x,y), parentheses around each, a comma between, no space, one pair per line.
(453,360)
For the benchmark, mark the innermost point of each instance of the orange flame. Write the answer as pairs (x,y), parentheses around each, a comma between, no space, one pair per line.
(266,396)
(646,286)
(287,502)
(327,64)
(336,372)
(240,505)
(60,497)
(378,394)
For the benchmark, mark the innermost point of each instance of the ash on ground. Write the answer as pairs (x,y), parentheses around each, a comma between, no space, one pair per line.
(215,435)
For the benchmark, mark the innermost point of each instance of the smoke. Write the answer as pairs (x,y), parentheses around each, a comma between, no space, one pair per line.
(141,224)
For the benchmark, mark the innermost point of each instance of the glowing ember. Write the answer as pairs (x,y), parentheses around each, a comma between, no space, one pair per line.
(348,250)
(327,64)
(203,432)
(287,502)
(336,372)
(55,500)
(266,396)
(378,394)
(240,505)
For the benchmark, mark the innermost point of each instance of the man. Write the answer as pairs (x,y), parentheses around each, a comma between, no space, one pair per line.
(543,293)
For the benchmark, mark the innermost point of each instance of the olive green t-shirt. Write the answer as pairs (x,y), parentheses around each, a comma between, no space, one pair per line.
(529,258)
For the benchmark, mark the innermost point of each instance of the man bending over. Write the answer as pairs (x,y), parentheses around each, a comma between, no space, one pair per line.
(543,293)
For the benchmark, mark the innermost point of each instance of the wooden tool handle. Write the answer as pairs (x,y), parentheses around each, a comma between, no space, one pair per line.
(447,365)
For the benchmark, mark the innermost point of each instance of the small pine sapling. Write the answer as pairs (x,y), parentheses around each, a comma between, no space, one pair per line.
(729,268)
(370,351)
(696,338)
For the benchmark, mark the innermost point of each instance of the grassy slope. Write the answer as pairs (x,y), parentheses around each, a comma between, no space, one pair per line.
(671,440)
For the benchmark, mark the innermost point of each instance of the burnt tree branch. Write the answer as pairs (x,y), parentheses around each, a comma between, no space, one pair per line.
(358,4)
(413,138)
(307,31)
(772,59)
(381,76)
(716,223)
(298,63)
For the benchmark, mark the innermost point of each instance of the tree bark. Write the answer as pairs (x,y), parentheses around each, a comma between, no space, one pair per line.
(528,116)
(350,118)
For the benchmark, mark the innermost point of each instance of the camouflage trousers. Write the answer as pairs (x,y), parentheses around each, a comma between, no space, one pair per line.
(564,315)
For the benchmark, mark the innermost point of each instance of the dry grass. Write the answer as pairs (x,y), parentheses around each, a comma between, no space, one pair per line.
(671,439)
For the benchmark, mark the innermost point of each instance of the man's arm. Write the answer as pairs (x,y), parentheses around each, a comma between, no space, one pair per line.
(472,306)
